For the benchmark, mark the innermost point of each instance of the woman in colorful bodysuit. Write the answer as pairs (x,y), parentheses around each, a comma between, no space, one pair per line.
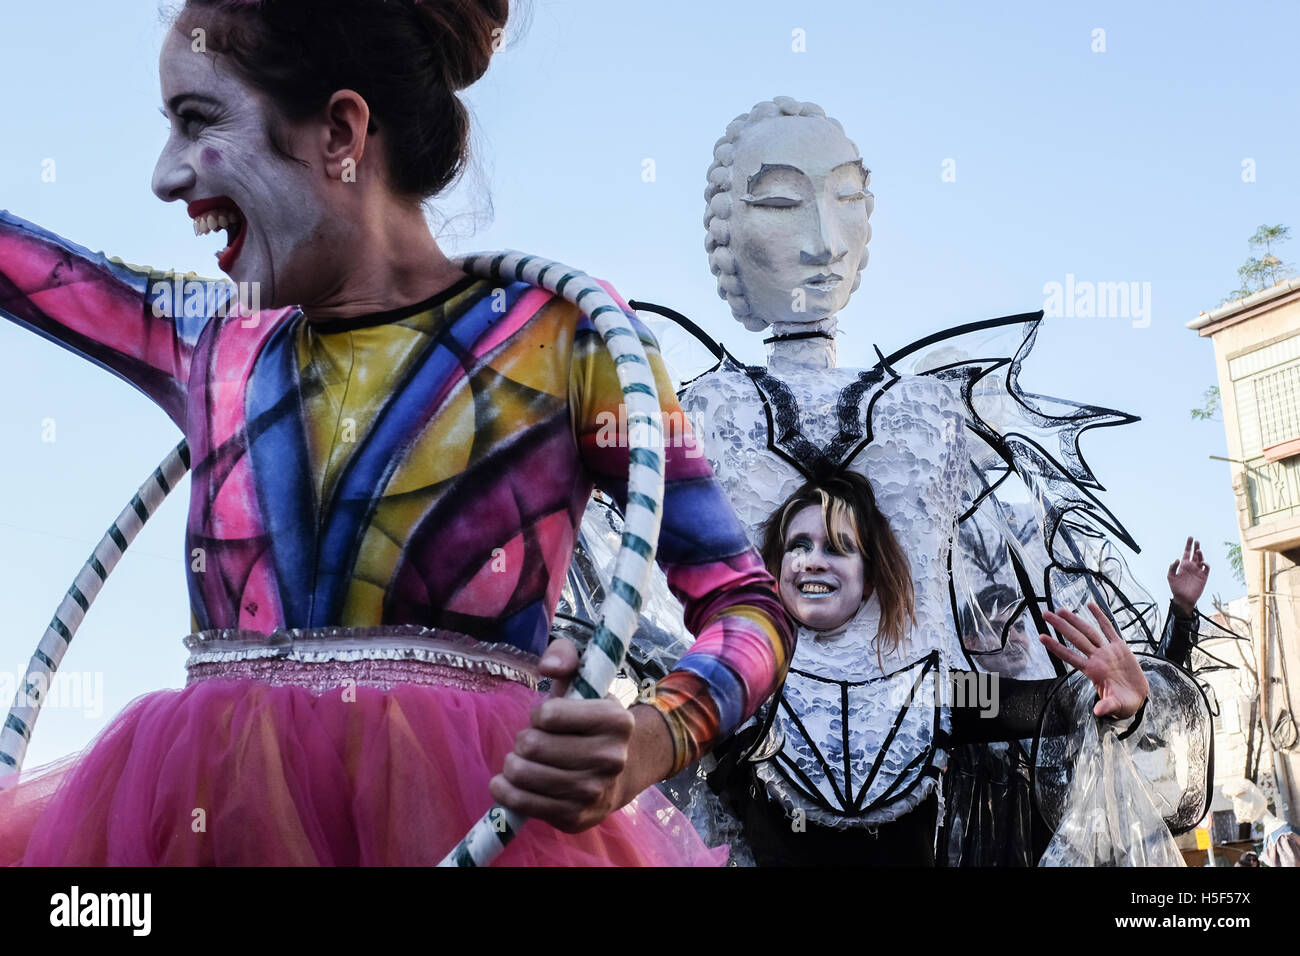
(389,462)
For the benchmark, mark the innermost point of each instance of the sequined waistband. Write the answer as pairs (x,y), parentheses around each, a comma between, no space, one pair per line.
(330,657)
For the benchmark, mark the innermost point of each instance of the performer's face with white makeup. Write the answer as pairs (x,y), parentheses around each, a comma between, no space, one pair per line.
(218,159)
(799,214)
(822,581)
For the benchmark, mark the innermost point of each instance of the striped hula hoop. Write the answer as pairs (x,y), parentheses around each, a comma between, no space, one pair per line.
(17,730)
(604,654)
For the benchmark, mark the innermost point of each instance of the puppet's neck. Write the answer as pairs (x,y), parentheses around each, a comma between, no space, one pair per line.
(788,354)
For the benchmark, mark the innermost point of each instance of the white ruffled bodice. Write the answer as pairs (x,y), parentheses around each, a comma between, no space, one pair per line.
(918,467)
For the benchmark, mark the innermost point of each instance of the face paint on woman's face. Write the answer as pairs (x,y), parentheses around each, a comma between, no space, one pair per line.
(219,161)
(822,584)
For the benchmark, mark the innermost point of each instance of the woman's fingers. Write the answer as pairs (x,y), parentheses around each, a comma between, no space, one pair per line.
(1080,633)
(560,663)
(1074,629)
(1103,620)
(1071,657)
(562,814)
(582,735)
(553,782)
(1105,659)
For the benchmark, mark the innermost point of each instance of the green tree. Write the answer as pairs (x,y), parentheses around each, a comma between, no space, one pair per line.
(1210,409)
(1234,562)
(1257,272)
(1271,268)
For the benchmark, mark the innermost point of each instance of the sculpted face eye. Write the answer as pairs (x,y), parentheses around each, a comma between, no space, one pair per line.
(776,186)
(849,182)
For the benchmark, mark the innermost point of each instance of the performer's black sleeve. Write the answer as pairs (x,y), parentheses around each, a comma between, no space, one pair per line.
(1021,702)
(1019,706)
(1179,637)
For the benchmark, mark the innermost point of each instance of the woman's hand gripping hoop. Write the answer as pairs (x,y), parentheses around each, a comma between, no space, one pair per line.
(632,565)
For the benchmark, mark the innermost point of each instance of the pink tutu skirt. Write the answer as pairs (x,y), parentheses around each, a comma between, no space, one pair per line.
(309,760)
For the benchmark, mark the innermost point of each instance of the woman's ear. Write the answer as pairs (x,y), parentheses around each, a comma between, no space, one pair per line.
(343,137)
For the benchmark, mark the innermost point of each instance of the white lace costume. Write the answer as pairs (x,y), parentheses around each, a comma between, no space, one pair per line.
(982,483)
(916,460)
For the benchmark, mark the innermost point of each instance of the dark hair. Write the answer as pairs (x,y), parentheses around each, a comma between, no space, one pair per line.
(848,495)
(405,58)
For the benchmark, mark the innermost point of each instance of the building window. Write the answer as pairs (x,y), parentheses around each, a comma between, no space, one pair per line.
(1266,386)
(1277,396)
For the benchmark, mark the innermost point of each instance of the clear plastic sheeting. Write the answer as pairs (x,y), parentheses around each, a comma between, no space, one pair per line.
(715,822)
(661,637)
(1110,819)
(1114,794)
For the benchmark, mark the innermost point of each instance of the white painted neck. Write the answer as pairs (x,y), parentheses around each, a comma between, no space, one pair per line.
(802,354)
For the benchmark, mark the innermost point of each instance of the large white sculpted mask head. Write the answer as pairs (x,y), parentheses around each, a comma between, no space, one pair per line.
(787,215)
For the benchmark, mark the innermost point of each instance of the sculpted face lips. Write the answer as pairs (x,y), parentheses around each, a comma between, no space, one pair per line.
(823,282)
(822,581)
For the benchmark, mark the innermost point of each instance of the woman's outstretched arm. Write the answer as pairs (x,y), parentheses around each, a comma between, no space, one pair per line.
(139,324)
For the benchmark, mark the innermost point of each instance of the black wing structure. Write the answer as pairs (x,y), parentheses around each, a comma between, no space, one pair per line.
(1033,523)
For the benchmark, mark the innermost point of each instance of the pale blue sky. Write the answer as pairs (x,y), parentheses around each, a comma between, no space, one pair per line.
(1115,166)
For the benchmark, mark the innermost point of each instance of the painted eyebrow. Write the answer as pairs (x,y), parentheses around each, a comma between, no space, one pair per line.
(175,102)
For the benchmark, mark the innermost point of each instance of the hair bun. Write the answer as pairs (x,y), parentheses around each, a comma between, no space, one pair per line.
(465,34)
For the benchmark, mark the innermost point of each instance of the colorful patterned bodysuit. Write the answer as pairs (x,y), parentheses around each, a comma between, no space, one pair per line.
(427,465)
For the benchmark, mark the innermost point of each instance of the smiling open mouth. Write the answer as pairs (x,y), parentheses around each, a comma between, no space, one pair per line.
(209,215)
(816,588)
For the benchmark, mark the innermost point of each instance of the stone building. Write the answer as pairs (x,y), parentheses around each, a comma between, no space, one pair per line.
(1257,356)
